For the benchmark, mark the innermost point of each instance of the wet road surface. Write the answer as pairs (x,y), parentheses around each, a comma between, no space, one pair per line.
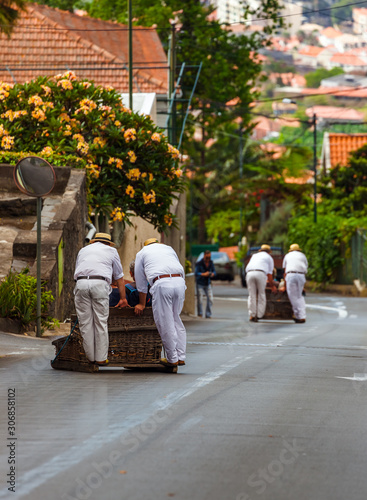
(269,411)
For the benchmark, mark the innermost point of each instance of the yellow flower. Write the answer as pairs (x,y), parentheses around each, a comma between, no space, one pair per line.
(132,156)
(46,89)
(119,163)
(98,141)
(111,160)
(47,151)
(133,174)
(86,106)
(173,151)
(83,147)
(7,142)
(36,100)
(3,131)
(130,134)
(149,198)
(67,130)
(130,191)
(150,177)
(86,85)
(93,170)
(168,220)
(78,137)
(117,214)
(156,137)
(178,172)
(117,123)
(39,115)
(69,75)
(64,117)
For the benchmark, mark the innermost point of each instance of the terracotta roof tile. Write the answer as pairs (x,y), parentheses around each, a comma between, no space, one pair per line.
(335,113)
(47,41)
(341,145)
(331,32)
(348,59)
(310,50)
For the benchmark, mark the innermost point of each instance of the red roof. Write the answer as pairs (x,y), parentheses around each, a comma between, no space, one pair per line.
(335,113)
(341,145)
(331,32)
(348,59)
(51,41)
(358,92)
(310,50)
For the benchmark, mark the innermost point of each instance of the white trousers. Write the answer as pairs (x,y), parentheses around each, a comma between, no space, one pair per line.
(168,299)
(256,283)
(92,308)
(295,284)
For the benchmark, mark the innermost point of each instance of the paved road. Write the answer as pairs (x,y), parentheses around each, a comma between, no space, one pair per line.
(268,411)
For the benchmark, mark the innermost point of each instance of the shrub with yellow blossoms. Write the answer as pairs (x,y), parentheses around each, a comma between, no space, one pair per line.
(131,168)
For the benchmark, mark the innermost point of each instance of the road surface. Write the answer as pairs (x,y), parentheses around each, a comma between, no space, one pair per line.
(266,411)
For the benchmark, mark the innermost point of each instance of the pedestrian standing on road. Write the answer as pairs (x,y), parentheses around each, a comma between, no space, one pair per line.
(259,271)
(295,267)
(158,265)
(96,266)
(204,271)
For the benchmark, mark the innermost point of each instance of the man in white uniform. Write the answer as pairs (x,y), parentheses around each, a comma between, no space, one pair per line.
(96,266)
(295,266)
(158,265)
(258,271)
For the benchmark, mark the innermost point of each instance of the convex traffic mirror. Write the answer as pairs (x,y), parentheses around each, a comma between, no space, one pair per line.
(34,176)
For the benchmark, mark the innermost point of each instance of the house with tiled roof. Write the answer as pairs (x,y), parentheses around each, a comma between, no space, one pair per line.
(332,114)
(49,41)
(336,148)
(307,55)
(348,62)
(328,36)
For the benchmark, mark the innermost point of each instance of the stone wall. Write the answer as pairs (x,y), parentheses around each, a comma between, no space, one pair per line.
(64,214)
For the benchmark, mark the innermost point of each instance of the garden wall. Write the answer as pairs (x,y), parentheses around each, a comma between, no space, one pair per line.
(64,214)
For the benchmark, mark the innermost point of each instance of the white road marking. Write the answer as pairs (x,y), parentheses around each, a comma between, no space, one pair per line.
(39,475)
(342,312)
(358,377)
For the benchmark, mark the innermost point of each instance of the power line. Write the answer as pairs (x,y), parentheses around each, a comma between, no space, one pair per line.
(197,26)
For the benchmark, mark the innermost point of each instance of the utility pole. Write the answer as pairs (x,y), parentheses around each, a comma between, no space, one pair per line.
(130,17)
(314,122)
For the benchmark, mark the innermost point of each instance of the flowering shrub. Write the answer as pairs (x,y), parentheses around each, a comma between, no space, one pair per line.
(131,168)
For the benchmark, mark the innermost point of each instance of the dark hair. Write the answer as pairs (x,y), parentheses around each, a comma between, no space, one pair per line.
(207,252)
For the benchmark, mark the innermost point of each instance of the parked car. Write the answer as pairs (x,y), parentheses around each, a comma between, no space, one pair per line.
(223,266)
(276,253)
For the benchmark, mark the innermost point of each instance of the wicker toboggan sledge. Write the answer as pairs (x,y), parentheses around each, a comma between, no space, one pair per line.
(134,342)
(278,305)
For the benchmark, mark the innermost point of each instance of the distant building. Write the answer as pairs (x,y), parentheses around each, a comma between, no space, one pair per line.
(345,80)
(332,114)
(359,21)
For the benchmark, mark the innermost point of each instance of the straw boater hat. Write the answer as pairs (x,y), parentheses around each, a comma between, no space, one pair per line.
(103,238)
(294,247)
(150,241)
(265,248)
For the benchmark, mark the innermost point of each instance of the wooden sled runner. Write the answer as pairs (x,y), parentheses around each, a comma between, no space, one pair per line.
(134,342)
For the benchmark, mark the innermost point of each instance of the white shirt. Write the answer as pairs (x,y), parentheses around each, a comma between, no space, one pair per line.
(154,260)
(261,261)
(98,259)
(295,261)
